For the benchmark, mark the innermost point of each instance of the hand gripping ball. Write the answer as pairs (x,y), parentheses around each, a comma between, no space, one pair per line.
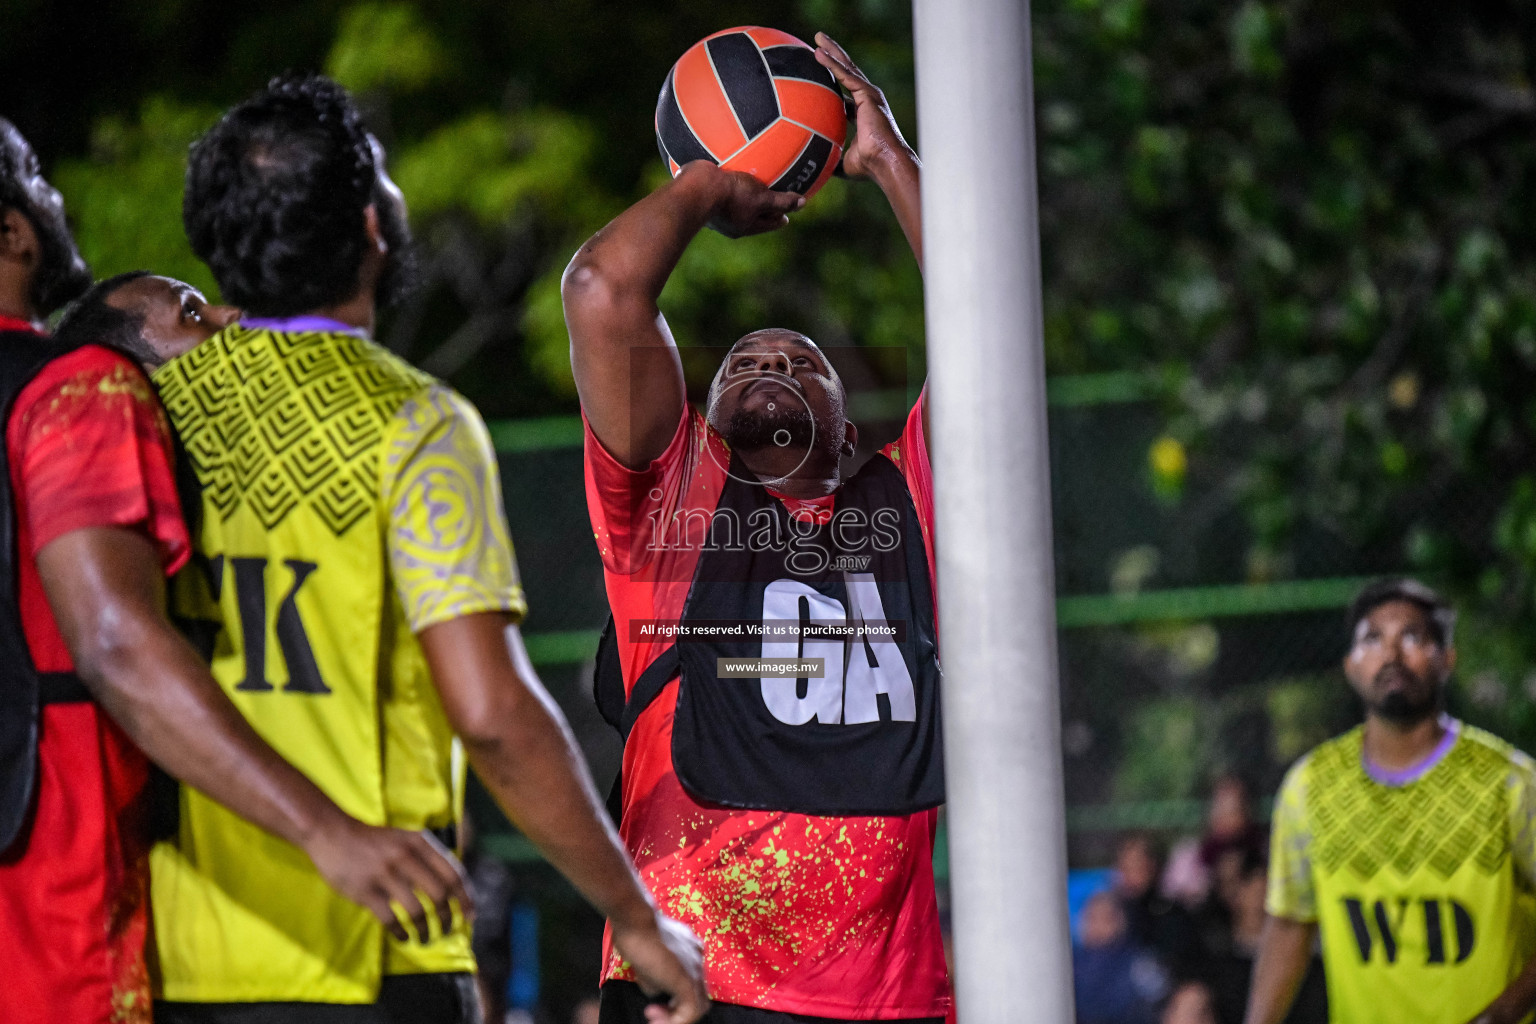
(754,100)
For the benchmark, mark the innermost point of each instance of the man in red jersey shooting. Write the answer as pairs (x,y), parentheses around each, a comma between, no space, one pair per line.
(787,818)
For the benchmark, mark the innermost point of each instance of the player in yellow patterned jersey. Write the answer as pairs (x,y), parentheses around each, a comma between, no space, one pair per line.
(356,589)
(1409,843)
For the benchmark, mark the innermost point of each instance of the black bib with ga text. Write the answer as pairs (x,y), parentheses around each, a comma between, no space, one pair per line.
(864,738)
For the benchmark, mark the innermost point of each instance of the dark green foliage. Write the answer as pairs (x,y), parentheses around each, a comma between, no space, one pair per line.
(1322,215)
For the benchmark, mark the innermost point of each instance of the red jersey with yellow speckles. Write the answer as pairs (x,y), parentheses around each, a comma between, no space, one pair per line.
(89,447)
(822,916)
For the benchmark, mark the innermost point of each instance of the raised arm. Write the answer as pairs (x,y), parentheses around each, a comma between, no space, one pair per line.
(107,592)
(521,748)
(625,361)
(878,151)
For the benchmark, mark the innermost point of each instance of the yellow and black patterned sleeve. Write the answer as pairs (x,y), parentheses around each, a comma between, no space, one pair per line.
(1521,790)
(450,551)
(1292,892)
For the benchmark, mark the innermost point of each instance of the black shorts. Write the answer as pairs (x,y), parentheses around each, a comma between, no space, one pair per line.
(403,999)
(623,1003)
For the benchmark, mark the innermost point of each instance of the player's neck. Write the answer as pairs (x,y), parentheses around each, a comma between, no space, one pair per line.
(791,474)
(1396,747)
(16,299)
(354,312)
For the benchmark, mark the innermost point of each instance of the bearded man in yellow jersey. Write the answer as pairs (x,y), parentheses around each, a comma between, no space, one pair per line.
(355,587)
(1408,842)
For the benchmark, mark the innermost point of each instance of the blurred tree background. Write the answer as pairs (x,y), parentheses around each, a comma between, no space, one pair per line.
(1290,287)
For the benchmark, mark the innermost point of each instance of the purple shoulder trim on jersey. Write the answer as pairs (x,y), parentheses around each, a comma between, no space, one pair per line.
(1414,773)
(302,324)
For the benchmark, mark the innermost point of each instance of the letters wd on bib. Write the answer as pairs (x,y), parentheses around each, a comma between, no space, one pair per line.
(1422,881)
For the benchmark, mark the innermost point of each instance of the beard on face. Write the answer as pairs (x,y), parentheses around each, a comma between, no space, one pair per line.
(62,273)
(402,265)
(1408,704)
(749,430)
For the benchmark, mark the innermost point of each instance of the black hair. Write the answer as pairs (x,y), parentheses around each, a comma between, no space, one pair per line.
(1441,616)
(275,196)
(12,192)
(90,320)
(61,274)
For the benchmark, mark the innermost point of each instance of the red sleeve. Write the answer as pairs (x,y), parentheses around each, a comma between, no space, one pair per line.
(90,447)
(910,454)
(627,505)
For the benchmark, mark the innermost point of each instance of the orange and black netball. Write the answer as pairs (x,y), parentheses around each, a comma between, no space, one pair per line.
(753,100)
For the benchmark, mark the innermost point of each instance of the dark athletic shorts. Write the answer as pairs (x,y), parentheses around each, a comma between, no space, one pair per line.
(403,999)
(623,1003)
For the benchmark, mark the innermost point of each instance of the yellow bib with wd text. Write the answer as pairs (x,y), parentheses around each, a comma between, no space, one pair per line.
(1423,915)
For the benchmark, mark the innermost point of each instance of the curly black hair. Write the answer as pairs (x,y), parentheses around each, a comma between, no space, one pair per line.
(275,197)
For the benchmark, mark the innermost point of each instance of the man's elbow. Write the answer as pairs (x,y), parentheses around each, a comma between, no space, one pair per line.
(482,735)
(489,725)
(586,286)
(502,729)
(109,645)
(115,657)
(599,300)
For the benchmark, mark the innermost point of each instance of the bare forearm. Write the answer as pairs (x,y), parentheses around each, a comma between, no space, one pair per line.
(625,362)
(537,774)
(153,684)
(899,176)
(1285,951)
(520,746)
(105,587)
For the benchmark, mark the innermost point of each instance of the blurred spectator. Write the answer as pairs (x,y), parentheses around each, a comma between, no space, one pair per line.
(1229,822)
(1152,919)
(1229,968)
(1191,1003)
(1115,979)
(586,1011)
(1198,868)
